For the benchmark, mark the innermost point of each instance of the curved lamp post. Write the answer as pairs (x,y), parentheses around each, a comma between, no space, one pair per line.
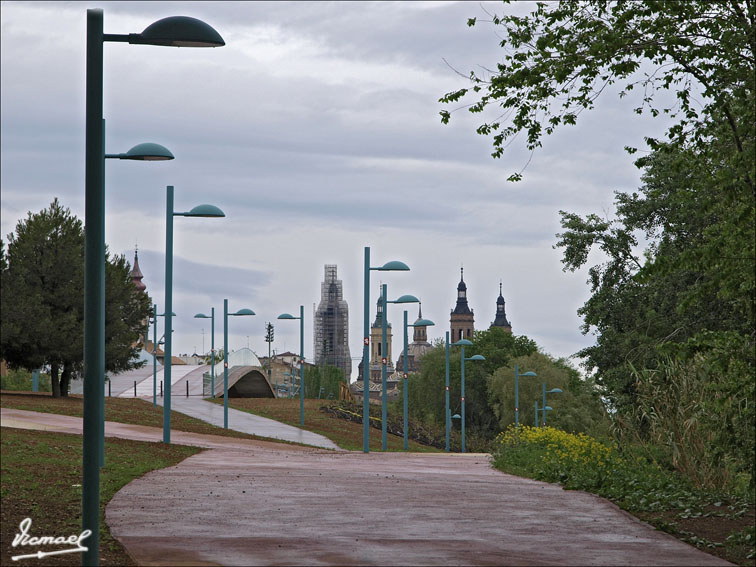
(301,359)
(552,391)
(394,265)
(463,343)
(226,315)
(418,323)
(517,392)
(173,31)
(204,211)
(146,151)
(212,347)
(384,358)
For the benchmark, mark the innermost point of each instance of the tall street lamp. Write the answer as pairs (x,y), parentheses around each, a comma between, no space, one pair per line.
(517,392)
(463,343)
(147,151)
(301,359)
(447,412)
(226,315)
(154,355)
(212,347)
(552,391)
(418,323)
(384,358)
(173,31)
(394,265)
(204,211)
(154,352)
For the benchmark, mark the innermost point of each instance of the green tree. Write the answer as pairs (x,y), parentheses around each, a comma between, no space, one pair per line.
(127,312)
(43,300)
(576,409)
(426,389)
(696,273)
(556,61)
(325,377)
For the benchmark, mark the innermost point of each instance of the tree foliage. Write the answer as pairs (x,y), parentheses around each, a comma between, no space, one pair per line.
(673,302)
(576,409)
(42,294)
(324,377)
(558,59)
(489,386)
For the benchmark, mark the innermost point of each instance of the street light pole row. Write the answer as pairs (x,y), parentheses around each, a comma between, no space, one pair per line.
(173,31)
(204,211)
(301,359)
(388,266)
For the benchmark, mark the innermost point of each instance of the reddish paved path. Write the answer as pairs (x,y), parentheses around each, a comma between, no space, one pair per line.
(256,503)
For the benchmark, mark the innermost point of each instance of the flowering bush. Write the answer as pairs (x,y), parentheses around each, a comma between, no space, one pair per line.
(574,460)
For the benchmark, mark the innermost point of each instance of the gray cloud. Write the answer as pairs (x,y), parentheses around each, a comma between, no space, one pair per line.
(316,130)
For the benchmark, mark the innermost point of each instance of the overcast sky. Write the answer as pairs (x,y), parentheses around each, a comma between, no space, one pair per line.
(316,129)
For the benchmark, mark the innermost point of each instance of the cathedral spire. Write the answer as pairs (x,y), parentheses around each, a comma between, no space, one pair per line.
(501,317)
(136,273)
(462,321)
(461,307)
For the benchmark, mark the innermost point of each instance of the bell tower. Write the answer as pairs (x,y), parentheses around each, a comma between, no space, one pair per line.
(462,321)
(376,344)
(501,317)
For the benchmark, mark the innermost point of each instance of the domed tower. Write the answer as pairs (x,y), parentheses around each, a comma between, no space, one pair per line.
(501,317)
(462,321)
(417,348)
(376,345)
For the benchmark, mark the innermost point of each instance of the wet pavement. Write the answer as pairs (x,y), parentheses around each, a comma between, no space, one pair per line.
(245,422)
(247,502)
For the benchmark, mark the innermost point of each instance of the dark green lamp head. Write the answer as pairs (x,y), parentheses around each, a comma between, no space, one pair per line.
(205,211)
(180,31)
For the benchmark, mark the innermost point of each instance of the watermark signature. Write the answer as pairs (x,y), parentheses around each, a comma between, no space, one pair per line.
(23,538)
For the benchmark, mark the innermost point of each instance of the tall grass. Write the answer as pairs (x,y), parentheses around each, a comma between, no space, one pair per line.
(700,417)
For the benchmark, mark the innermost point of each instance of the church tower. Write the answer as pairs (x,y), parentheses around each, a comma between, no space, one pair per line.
(136,273)
(331,325)
(501,317)
(417,348)
(462,320)
(376,345)
(136,277)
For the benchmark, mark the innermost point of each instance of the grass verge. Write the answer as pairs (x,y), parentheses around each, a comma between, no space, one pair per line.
(41,480)
(121,410)
(719,524)
(346,434)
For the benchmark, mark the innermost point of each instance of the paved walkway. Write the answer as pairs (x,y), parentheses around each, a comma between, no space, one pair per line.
(259,503)
(245,422)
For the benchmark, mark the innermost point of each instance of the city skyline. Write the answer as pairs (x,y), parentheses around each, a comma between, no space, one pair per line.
(316,128)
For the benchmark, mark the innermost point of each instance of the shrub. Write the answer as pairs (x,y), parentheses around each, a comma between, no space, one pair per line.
(21,380)
(574,460)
